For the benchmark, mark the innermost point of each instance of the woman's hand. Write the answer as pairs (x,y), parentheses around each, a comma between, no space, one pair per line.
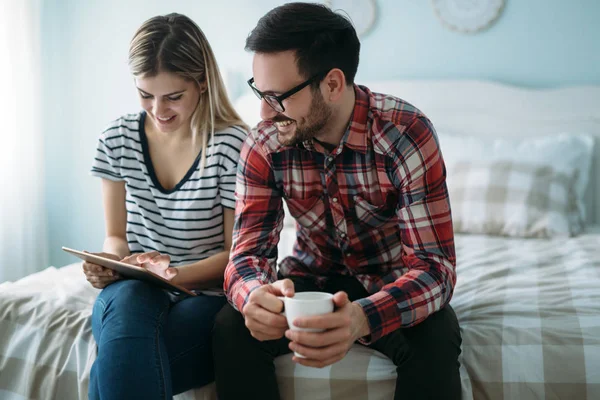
(99,276)
(154,262)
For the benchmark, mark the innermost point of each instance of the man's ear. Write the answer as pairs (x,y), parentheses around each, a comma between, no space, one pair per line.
(335,84)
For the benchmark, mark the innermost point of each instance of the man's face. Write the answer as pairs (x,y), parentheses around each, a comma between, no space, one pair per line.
(306,113)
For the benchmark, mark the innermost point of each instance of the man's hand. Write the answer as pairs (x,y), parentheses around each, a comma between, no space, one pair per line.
(153,261)
(263,310)
(342,327)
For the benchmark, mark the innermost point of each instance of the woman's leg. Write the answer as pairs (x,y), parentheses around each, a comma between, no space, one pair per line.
(188,334)
(127,322)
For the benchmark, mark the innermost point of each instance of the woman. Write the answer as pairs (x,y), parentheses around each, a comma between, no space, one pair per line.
(168,180)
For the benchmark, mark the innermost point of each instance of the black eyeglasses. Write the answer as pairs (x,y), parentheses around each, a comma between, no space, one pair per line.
(276,102)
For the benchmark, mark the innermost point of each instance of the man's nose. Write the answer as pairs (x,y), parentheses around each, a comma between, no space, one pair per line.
(266,111)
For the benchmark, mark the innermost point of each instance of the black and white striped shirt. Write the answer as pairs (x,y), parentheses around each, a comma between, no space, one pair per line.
(185,222)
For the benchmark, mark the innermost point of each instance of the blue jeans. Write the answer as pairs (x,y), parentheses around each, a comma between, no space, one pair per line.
(150,347)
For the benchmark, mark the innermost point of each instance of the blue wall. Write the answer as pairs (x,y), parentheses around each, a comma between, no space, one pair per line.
(86,82)
(533,43)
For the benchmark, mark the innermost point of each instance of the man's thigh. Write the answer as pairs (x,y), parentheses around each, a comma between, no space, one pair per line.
(438,337)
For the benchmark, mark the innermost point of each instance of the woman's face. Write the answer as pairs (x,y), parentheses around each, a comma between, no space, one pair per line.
(169,100)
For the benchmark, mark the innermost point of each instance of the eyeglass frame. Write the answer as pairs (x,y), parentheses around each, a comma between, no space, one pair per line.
(283,96)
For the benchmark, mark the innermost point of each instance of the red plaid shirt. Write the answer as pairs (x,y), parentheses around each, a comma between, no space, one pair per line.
(376,207)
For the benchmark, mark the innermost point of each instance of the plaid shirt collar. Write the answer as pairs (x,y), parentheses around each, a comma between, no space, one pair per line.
(357,133)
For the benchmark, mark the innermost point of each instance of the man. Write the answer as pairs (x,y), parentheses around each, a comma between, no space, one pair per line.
(363,176)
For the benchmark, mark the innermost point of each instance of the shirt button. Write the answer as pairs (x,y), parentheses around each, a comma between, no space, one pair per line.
(330,159)
(348,254)
(343,235)
(335,200)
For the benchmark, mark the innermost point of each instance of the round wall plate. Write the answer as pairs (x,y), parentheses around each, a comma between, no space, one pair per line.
(362,13)
(468,16)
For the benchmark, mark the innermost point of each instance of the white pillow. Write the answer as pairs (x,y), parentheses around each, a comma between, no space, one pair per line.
(531,167)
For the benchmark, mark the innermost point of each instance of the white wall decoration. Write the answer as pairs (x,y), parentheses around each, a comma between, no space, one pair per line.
(362,13)
(468,16)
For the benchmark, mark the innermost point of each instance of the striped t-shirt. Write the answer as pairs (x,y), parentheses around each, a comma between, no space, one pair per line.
(185,222)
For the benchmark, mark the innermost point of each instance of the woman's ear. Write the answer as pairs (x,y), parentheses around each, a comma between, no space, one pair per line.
(202,87)
(335,84)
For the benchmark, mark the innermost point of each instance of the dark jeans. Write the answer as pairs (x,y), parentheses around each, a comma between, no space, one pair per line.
(150,347)
(426,355)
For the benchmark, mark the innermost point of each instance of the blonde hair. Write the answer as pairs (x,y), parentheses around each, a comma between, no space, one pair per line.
(174,43)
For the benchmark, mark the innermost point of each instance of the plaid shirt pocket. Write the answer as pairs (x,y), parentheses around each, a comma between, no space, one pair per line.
(309,212)
(371,215)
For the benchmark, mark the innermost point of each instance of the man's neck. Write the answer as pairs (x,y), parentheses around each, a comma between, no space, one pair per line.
(334,131)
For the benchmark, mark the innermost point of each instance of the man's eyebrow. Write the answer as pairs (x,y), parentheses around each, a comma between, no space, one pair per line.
(168,94)
(271,91)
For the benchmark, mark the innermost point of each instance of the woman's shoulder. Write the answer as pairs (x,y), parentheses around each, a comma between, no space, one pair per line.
(126,126)
(228,144)
(231,136)
(231,133)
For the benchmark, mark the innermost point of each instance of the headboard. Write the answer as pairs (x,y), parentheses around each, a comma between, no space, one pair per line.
(486,108)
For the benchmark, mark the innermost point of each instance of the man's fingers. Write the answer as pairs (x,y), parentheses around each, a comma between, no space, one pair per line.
(262,331)
(265,317)
(340,299)
(319,339)
(262,336)
(320,354)
(284,287)
(265,299)
(324,321)
(262,324)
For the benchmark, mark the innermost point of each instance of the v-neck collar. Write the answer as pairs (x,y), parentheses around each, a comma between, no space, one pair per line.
(150,166)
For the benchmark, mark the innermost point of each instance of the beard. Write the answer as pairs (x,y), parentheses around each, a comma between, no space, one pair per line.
(318,116)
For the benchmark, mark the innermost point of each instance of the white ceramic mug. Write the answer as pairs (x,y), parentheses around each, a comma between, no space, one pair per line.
(306,304)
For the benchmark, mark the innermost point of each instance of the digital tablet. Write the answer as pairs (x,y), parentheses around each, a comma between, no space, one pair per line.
(130,271)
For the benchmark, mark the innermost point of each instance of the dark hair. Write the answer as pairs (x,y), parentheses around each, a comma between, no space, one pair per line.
(322,39)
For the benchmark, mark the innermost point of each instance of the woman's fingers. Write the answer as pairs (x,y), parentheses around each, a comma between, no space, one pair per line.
(99,271)
(145,257)
(93,268)
(161,258)
(100,282)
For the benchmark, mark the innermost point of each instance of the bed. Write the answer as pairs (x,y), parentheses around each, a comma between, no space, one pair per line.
(528,301)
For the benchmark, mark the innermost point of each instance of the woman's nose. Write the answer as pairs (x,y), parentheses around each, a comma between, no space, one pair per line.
(158,107)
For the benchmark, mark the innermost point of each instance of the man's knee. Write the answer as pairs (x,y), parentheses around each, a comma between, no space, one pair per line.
(437,340)
(441,330)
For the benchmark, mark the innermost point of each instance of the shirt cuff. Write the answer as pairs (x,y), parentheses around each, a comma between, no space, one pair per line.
(241,292)
(376,317)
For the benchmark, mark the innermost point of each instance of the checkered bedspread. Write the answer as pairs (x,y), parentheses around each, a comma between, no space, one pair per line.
(529,312)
